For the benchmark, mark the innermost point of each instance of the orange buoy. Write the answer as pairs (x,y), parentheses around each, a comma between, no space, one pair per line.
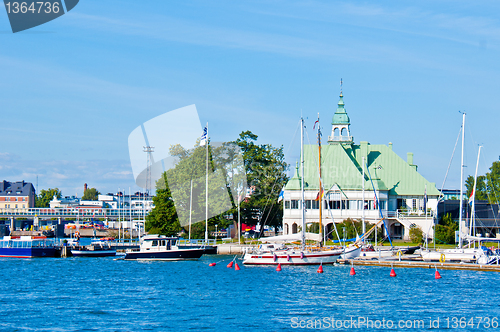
(393,273)
(320,269)
(352,273)
(279,267)
(437,275)
(211,264)
(230,265)
(236,267)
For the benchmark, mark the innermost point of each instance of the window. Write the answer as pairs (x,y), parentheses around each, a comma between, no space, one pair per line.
(16,206)
(414,204)
(155,243)
(315,205)
(294,204)
(287,204)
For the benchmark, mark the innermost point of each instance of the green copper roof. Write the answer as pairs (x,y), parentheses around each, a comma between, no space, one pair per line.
(341,165)
(340,116)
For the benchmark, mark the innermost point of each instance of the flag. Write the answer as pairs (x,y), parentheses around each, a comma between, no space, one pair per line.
(425,199)
(320,194)
(471,197)
(315,123)
(281,195)
(203,139)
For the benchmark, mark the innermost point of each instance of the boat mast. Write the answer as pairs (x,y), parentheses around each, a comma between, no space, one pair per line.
(206,194)
(460,227)
(190,208)
(363,200)
(473,209)
(322,240)
(302,182)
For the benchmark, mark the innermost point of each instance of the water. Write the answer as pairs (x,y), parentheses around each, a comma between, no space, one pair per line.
(102,294)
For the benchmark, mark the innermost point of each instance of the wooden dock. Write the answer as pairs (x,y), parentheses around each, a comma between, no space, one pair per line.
(421,264)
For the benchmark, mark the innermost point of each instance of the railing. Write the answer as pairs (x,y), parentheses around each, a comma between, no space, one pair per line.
(406,214)
(340,138)
(196,242)
(73,212)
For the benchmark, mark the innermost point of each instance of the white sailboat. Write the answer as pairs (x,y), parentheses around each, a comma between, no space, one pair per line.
(460,254)
(272,255)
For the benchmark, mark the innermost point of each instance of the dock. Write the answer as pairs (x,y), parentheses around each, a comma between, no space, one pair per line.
(420,264)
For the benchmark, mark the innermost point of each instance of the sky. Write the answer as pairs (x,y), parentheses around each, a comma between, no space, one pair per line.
(72,90)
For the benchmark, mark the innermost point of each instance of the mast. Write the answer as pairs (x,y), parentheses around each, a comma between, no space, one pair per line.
(302,182)
(460,226)
(190,208)
(473,209)
(363,200)
(206,194)
(322,240)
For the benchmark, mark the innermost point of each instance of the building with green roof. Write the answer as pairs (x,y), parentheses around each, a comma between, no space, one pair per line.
(406,199)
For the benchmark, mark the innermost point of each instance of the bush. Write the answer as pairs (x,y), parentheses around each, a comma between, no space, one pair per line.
(416,234)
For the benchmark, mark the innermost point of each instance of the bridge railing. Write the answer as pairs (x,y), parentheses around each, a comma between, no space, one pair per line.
(73,212)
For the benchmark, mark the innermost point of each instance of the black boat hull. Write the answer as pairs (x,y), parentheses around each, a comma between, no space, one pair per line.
(167,255)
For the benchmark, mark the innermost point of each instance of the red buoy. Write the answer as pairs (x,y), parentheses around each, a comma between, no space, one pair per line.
(320,269)
(236,267)
(211,264)
(230,265)
(352,273)
(279,267)
(393,273)
(437,275)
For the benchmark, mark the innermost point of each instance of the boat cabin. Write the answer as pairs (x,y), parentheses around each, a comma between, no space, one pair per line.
(158,243)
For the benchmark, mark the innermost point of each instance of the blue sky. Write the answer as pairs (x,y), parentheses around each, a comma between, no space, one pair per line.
(72,90)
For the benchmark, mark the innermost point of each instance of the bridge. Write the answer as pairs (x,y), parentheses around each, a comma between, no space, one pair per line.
(76,212)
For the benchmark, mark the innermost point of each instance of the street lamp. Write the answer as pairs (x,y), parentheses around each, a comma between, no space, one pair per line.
(216,233)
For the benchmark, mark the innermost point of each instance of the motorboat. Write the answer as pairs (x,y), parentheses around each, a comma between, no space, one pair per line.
(95,249)
(161,247)
(26,247)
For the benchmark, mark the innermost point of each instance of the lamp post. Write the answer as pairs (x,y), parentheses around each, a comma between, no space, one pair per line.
(216,233)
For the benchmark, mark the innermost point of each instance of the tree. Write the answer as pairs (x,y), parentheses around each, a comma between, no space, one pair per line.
(90,194)
(481,192)
(265,168)
(445,230)
(416,234)
(45,196)
(493,182)
(163,218)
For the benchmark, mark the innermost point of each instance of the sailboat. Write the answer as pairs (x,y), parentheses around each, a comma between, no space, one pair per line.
(460,254)
(271,255)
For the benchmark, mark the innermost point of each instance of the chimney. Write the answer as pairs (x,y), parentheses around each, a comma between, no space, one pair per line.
(390,145)
(84,188)
(409,158)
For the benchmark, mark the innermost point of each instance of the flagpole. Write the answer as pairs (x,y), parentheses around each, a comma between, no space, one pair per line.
(322,240)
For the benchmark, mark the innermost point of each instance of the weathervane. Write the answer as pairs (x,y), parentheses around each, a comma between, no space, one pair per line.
(341,86)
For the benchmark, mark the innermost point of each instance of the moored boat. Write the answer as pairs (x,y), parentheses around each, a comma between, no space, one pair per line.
(160,247)
(26,247)
(95,249)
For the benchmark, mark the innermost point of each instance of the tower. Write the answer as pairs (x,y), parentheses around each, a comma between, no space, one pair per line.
(340,125)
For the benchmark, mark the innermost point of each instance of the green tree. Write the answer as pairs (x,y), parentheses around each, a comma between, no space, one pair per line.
(481,192)
(445,230)
(91,194)
(416,234)
(43,199)
(493,182)
(265,168)
(163,218)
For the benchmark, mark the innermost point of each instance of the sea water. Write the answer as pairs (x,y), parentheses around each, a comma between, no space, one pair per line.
(104,294)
